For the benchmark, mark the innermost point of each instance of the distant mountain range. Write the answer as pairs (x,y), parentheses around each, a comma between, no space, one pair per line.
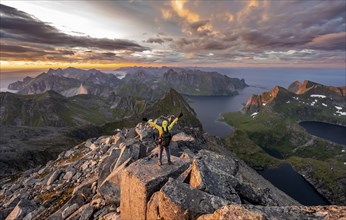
(147,83)
(67,82)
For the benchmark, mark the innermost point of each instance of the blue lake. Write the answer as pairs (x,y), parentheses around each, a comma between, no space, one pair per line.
(331,132)
(289,181)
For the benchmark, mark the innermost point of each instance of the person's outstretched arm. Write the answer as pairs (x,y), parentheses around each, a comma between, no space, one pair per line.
(175,121)
(152,123)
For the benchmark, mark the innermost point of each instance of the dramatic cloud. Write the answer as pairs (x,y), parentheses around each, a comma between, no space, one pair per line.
(335,41)
(255,27)
(178,32)
(158,40)
(18,27)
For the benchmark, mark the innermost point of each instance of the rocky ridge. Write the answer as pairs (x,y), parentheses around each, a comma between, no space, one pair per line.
(140,82)
(303,101)
(67,82)
(116,177)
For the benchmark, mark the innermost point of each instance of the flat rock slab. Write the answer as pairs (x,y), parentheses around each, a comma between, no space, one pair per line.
(22,208)
(141,179)
(179,200)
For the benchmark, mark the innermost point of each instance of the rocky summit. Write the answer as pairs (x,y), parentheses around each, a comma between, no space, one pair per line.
(117,177)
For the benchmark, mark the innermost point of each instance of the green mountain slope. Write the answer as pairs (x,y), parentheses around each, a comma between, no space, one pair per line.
(271,120)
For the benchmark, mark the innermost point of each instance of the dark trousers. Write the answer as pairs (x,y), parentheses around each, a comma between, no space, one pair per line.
(168,152)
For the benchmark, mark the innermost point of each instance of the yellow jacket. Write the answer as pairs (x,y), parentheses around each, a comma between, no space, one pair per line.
(165,127)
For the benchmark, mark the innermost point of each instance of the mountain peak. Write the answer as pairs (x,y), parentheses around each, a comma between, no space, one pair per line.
(302,87)
(82,89)
(263,101)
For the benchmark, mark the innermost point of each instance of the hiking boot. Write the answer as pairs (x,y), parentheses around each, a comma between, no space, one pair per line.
(159,163)
(170,162)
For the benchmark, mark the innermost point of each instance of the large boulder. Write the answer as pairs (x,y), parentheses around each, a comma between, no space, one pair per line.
(106,164)
(141,179)
(182,136)
(179,200)
(55,176)
(83,213)
(130,149)
(214,174)
(276,212)
(109,189)
(144,131)
(22,208)
(76,201)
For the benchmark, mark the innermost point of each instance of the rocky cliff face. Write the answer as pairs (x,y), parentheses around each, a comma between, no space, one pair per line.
(312,87)
(266,100)
(117,176)
(19,85)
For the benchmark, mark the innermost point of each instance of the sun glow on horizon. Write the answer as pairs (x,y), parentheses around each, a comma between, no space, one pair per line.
(112,34)
(20,65)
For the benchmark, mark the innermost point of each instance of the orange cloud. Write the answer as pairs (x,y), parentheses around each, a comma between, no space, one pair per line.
(178,7)
(251,5)
(167,14)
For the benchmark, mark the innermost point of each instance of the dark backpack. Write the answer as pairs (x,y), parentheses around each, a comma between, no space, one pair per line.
(166,137)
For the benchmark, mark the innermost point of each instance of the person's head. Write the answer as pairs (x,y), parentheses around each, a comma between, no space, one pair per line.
(164,123)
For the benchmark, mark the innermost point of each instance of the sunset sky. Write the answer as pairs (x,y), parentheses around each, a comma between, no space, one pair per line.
(108,34)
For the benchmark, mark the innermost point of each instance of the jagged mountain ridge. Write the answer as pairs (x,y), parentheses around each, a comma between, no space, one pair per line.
(117,176)
(147,83)
(67,82)
(304,101)
(312,87)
